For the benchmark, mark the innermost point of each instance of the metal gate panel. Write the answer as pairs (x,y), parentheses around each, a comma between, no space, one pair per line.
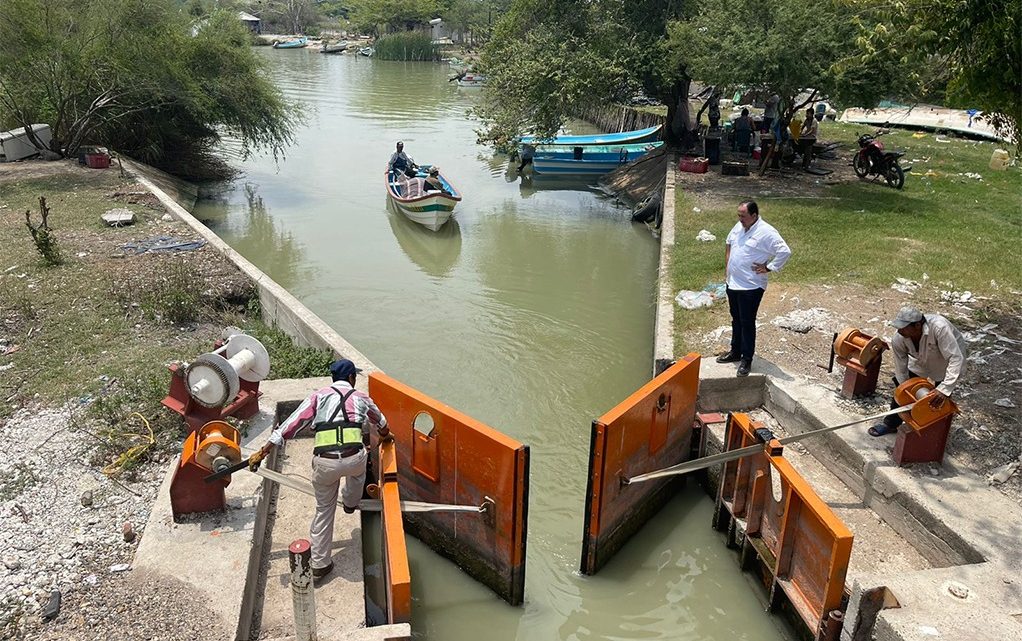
(796,535)
(456,459)
(397,576)
(649,430)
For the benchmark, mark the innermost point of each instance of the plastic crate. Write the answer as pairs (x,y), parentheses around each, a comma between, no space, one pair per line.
(97,161)
(694,165)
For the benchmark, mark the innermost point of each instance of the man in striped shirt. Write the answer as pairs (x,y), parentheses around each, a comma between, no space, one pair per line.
(340,415)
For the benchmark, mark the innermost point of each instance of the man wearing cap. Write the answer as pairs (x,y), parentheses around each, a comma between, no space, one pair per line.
(340,415)
(753,250)
(433,182)
(400,162)
(926,345)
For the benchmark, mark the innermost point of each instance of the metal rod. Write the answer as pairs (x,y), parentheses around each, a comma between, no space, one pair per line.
(369,505)
(303,595)
(732,455)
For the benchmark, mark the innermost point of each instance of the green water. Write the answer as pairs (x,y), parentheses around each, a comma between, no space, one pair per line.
(531,311)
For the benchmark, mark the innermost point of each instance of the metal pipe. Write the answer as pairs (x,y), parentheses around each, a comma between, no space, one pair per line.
(303,594)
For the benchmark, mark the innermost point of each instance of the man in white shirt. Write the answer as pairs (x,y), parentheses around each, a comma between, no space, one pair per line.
(754,249)
(926,345)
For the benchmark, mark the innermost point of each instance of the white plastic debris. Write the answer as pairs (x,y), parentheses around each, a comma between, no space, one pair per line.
(120,567)
(905,286)
(705,236)
(688,299)
(118,217)
(803,320)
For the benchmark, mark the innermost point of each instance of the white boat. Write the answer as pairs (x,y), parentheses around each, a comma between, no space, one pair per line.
(472,80)
(431,209)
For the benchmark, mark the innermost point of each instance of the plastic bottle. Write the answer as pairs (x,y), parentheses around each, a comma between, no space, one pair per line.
(999,160)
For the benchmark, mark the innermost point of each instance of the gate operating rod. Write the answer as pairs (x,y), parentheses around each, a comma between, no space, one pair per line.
(732,455)
(370,505)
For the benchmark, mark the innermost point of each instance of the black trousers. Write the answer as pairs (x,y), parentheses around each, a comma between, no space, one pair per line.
(894,420)
(744,304)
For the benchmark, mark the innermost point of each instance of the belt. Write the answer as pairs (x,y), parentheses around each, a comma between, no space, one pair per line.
(339,455)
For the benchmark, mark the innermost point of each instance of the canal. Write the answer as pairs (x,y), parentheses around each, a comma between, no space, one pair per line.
(531,311)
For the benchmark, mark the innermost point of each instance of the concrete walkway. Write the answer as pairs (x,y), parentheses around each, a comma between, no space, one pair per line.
(237,561)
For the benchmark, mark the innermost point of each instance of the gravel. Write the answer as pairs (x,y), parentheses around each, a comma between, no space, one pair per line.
(52,539)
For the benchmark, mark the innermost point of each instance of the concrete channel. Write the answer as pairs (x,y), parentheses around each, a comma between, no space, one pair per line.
(934,556)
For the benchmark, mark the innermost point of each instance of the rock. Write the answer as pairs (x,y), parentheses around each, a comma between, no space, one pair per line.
(166,217)
(52,608)
(120,567)
(119,217)
(802,320)
(128,532)
(12,563)
(1005,402)
(87,498)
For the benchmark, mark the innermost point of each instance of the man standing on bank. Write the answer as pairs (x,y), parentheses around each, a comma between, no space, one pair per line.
(754,249)
(926,345)
(340,415)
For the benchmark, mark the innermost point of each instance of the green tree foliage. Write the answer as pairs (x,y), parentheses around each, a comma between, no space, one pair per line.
(288,16)
(139,76)
(547,59)
(787,47)
(393,15)
(974,44)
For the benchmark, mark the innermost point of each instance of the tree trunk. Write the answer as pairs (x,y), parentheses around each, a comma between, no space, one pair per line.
(678,133)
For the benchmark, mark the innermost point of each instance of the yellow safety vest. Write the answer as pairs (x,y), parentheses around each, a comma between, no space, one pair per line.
(333,435)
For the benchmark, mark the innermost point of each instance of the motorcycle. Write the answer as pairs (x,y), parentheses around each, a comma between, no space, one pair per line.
(872,160)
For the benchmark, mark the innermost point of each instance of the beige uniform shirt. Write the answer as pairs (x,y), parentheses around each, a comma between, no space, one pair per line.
(940,357)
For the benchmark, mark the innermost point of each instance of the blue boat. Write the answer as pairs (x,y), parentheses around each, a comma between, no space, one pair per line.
(641,135)
(595,166)
(292,44)
(617,153)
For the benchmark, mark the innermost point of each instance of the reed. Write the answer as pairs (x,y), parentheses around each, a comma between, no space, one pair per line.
(406,46)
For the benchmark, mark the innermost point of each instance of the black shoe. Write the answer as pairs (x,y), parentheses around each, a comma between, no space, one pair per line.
(743,369)
(730,357)
(319,573)
(348,510)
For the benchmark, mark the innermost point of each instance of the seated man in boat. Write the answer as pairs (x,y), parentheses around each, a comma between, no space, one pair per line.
(400,162)
(433,182)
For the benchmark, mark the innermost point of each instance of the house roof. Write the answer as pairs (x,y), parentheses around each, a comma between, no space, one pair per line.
(247,17)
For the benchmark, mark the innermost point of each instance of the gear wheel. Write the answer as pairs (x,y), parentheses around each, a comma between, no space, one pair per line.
(211,381)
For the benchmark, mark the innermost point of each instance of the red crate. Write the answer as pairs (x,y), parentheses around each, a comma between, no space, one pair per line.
(97,161)
(694,165)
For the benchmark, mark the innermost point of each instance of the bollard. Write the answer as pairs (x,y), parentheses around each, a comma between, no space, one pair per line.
(832,627)
(303,595)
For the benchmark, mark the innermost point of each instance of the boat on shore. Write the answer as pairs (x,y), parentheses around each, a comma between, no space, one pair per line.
(366,51)
(619,153)
(431,209)
(649,134)
(297,43)
(337,47)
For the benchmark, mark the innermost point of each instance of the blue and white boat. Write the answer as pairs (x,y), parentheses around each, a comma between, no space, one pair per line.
(292,44)
(640,135)
(620,153)
(578,161)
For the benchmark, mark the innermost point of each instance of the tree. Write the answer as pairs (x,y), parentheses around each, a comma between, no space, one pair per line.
(548,59)
(138,76)
(974,45)
(293,16)
(395,15)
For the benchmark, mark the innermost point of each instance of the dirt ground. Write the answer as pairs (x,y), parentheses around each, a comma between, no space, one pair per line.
(985,438)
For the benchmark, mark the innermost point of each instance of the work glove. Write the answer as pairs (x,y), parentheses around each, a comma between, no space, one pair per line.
(385,435)
(255,460)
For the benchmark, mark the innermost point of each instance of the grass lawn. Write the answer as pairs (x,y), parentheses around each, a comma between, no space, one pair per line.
(952,227)
(98,330)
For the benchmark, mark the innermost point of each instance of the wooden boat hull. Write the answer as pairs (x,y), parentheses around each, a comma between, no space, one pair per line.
(571,167)
(640,135)
(291,44)
(430,209)
(624,152)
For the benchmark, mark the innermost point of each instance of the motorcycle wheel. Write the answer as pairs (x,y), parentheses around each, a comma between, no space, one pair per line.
(860,166)
(895,177)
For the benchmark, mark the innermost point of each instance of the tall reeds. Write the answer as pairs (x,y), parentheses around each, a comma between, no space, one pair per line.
(406,46)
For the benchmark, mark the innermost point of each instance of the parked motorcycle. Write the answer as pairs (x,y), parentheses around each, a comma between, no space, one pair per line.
(873,160)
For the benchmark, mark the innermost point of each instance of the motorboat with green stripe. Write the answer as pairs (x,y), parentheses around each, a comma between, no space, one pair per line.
(412,196)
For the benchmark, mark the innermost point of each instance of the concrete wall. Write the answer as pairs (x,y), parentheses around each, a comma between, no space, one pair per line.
(663,323)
